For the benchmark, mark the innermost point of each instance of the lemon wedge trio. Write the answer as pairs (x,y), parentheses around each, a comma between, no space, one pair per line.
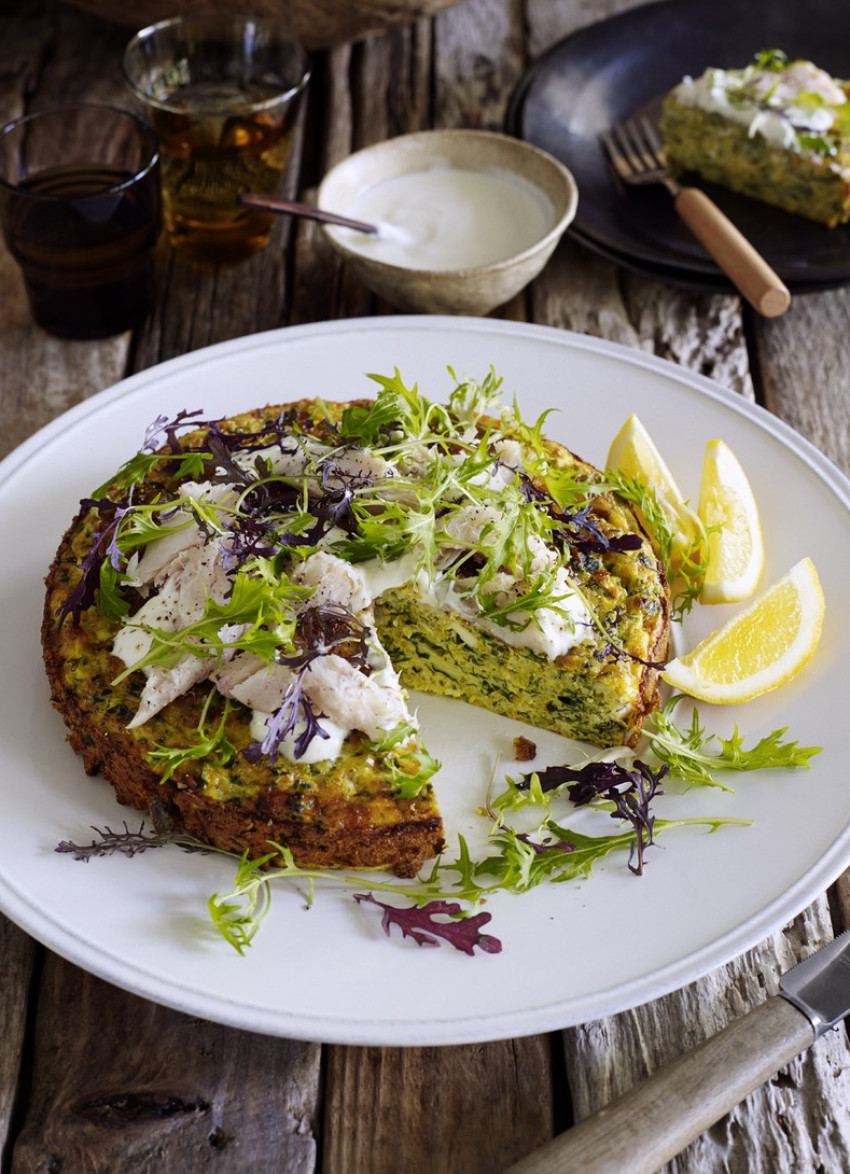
(768,642)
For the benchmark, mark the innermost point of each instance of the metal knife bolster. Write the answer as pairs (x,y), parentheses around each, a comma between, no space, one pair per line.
(819,986)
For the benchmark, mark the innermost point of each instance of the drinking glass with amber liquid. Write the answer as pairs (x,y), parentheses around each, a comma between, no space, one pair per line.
(223,92)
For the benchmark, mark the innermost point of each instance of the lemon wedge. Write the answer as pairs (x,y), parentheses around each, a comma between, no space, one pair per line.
(633,452)
(735,546)
(759,649)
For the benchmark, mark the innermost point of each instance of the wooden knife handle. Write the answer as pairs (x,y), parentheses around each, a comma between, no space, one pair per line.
(654,1121)
(746,269)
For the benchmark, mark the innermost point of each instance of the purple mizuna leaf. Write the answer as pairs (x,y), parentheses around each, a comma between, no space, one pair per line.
(419,922)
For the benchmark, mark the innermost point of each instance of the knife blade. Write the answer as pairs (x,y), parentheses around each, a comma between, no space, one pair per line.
(819,986)
(654,1121)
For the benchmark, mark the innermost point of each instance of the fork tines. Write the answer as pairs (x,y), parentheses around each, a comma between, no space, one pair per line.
(635,149)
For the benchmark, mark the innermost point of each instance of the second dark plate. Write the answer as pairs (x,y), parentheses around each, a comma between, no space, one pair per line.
(605,73)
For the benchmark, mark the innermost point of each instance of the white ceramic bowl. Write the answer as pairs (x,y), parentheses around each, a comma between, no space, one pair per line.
(476,290)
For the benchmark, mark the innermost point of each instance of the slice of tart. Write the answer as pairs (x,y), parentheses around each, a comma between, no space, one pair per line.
(777,130)
(231,624)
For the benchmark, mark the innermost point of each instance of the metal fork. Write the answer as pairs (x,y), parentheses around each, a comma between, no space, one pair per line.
(637,156)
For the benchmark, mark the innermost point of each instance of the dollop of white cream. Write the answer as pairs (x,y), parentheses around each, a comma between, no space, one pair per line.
(324,747)
(448,218)
(551,632)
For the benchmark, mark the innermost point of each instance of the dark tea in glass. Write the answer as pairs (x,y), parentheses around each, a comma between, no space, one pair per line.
(80,211)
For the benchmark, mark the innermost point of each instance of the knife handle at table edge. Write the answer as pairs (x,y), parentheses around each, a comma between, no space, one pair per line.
(655,1120)
(743,265)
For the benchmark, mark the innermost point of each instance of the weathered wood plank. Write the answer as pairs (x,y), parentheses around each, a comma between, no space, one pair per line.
(703,332)
(478,59)
(461,1110)
(839,896)
(122,1085)
(198,306)
(808,386)
(43,376)
(18,953)
(42,49)
(389,80)
(549,22)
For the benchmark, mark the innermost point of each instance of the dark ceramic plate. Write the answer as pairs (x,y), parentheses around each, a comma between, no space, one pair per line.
(609,71)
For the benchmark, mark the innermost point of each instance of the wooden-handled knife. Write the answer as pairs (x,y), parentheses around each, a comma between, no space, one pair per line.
(654,1121)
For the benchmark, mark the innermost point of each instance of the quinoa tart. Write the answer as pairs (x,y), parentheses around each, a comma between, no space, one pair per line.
(232,622)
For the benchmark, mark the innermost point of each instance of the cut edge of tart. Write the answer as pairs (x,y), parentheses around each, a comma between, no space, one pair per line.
(231,625)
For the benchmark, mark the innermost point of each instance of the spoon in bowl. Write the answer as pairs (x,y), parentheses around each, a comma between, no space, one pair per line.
(308,211)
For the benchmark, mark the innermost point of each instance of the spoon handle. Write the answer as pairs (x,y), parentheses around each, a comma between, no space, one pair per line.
(308,211)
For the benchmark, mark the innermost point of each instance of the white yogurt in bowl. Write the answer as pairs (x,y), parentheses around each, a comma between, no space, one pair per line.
(447,217)
(468,217)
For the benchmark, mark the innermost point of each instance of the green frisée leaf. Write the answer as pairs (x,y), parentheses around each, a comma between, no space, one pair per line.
(559,854)
(395,736)
(216,746)
(569,488)
(190,464)
(472,399)
(769,751)
(399,412)
(145,523)
(841,115)
(694,756)
(520,863)
(523,862)
(531,436)
(411,772)
(519,794)
(689,576)
(634,491)
(520,610)
(686,578)
(111,601)
(238,915)
(132,529)
(770,60)
(261,606)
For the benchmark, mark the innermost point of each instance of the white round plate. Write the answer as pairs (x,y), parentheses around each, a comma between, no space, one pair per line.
(571,952)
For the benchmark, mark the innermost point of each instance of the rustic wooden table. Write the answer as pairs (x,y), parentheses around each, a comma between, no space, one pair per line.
(93,1079)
